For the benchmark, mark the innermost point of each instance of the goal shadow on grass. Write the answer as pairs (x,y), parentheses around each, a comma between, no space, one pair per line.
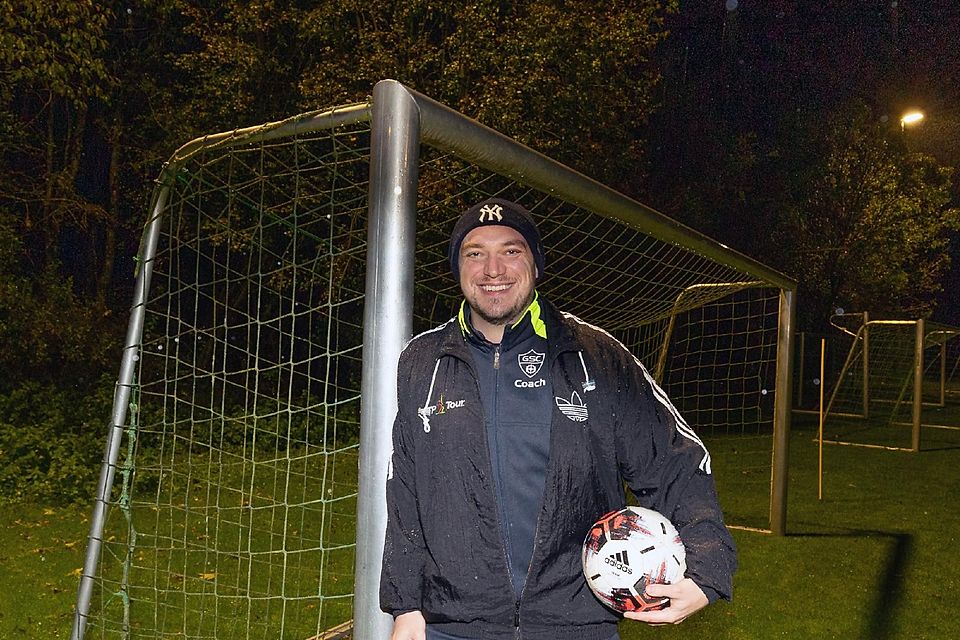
(952,447)
(879,625)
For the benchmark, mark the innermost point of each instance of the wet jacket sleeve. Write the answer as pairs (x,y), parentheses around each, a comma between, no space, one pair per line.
(403,552)
(668,469)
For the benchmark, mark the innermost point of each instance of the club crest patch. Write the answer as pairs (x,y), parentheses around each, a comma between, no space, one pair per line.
(530,362)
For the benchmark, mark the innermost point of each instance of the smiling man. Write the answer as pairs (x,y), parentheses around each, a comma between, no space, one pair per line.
(498,271)
(518,426)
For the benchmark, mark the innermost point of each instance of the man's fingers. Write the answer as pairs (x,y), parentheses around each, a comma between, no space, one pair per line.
(663,616)
(684,598)
(660,590)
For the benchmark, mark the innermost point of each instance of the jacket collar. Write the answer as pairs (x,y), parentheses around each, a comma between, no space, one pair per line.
(529,323)
(557,329)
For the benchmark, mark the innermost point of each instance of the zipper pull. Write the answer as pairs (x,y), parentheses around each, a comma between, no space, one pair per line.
(516,619)
(496,357)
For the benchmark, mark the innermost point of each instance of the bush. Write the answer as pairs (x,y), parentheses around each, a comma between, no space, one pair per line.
(52,441)
(48,332)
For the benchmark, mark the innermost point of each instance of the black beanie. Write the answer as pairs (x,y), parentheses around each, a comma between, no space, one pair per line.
(496,211)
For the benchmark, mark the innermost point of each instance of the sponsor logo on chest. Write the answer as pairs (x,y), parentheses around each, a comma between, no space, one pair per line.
(441,407)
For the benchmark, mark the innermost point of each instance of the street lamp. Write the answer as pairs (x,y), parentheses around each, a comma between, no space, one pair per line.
(910,118)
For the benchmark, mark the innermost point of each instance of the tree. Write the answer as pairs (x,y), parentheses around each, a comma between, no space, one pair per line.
(53,57)
(573,79)
(230,64)
(870,226)
(55,76)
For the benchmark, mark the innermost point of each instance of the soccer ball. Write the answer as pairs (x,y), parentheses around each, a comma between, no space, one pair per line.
(628,549)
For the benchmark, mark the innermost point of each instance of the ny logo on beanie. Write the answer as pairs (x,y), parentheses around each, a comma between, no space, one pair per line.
(491,211)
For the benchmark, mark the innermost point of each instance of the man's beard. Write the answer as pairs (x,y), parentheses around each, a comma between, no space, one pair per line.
(507,315)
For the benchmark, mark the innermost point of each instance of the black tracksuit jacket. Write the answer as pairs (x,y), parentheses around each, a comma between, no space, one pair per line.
(445,553)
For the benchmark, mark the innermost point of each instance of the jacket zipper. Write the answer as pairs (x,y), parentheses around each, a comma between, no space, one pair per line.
(536,534)
(496,365)
(533,554)
(496,496)
(536,531)
(506,551)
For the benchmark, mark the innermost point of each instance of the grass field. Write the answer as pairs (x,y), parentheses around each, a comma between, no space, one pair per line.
(41,553)
(874,559)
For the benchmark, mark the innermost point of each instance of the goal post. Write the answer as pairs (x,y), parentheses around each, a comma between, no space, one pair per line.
(388,324)
(893,384)
(282,269)
(112,584)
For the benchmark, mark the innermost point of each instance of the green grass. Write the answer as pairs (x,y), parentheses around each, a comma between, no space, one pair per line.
(228,547)
(41,554)
(208,535)
(874,559)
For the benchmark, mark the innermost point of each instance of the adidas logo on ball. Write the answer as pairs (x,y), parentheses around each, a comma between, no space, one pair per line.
(619,561)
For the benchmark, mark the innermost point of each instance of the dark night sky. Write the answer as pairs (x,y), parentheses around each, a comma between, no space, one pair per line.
(753,64)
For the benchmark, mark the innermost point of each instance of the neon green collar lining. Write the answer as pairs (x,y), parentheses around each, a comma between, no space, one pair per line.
(539,327)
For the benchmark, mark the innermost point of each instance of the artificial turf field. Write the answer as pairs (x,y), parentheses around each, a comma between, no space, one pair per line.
(875,559)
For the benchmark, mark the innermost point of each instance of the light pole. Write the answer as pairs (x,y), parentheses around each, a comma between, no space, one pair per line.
(910,118)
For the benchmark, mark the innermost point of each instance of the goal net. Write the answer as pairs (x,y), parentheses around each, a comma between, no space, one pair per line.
(231,500)
(897,381)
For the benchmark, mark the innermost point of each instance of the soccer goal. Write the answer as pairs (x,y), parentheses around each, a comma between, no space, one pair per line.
(898,380)
(282,269)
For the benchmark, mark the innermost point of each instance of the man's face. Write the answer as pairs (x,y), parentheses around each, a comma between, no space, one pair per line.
(497,276)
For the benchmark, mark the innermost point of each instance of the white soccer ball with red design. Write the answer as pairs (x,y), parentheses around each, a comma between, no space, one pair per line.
(628,549)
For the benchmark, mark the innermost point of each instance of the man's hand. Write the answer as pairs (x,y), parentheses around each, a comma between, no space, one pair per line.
(410,626)
(685,596)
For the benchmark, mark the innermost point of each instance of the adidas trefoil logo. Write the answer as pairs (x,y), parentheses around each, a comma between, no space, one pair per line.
(574,408)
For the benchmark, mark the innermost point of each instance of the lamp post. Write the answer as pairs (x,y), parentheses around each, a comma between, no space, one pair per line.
(910,118)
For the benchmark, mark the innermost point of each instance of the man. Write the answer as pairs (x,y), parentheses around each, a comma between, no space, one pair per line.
(517,428)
